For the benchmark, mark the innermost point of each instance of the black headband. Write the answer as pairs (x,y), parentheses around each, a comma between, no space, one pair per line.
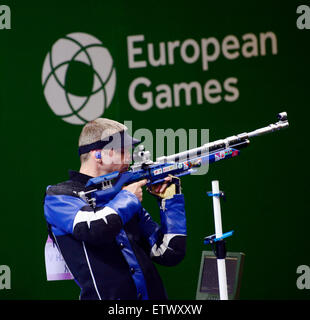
(117,140)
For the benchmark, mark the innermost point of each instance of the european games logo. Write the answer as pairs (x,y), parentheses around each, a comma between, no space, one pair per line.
(78,78)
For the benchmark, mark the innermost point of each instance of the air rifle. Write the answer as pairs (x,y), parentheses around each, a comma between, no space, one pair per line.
(100,190)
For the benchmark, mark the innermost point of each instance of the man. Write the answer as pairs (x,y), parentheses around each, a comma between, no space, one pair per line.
(110,250)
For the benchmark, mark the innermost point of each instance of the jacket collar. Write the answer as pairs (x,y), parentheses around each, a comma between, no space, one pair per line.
(79,177)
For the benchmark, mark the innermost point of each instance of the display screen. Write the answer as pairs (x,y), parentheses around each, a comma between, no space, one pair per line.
(209,279)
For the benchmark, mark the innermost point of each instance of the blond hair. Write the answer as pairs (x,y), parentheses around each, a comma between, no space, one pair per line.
(97,130)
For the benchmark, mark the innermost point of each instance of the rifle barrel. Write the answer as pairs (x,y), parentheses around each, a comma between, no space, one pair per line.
(227,142)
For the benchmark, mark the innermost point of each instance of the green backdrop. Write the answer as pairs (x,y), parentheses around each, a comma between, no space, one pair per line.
(266,187)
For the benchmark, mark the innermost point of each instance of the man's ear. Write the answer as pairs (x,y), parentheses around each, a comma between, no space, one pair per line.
(98,154)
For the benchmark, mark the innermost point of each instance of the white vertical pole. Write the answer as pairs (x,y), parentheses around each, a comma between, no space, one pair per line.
(221,266)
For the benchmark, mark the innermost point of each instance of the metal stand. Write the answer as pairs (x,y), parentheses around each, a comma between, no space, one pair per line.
(218,239)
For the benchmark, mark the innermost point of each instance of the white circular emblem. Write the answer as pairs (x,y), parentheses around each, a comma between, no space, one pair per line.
(78,78)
